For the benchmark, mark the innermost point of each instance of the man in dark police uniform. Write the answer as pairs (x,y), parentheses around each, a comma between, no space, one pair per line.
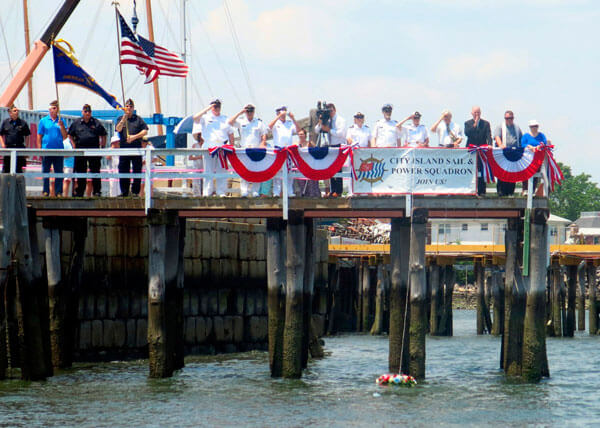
(12,136)
(132,129)
(87,133)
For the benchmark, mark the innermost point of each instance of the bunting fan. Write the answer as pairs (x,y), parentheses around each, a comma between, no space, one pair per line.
(319,163)
(514,164)
(255,165)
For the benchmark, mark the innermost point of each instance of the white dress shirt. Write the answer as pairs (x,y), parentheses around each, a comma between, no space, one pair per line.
(386,134)
(215,129)
(283,133)
(251,131)
(360,135)
(445,140)
(337,133)
(413,135)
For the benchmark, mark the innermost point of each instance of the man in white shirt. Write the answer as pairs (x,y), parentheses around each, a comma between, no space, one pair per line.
(448,132)
(215,131)
(284,130)
(336,130)
(414,134)
(385,132)
(359,133)
(253,134)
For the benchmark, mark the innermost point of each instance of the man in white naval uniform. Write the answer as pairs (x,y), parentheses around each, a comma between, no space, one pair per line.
(359,133)
(385,132)
(336,128)
(253,134)
(216,131)
(284,129)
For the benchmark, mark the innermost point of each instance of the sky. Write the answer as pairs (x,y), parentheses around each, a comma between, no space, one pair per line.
(538,58)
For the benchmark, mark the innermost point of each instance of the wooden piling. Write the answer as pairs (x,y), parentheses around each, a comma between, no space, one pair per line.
(482,310)
(399,319)
(276,292)
(308,287)
(514,303)
(418,291)
(555,299)
(497,289)
(569,330)
(334,298)
(79,228)
(377,327)
(535,360)
(446,328)
(159,354)
(593,304)
(293,329)
(367,318)
(437,297)
(581,274)
(175,236)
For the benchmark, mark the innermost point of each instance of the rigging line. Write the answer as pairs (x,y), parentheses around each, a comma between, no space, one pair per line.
(217,56)
(10,67)
(238,50)
(192,59)
(168,25)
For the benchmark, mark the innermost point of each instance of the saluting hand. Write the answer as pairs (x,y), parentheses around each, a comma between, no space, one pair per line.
(291,115)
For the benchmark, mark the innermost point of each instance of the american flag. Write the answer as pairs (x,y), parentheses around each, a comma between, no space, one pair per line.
(149,58)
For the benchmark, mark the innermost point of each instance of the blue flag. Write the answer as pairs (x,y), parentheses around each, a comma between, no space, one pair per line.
(67,70)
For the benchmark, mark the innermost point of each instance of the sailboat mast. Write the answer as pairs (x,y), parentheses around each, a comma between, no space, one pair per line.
(157,107)
(27,49)
(184,56)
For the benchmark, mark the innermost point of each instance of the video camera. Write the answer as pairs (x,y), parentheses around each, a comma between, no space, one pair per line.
(323,112)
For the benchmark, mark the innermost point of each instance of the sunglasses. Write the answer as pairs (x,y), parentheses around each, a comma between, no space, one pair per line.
(359,117)
(509,118)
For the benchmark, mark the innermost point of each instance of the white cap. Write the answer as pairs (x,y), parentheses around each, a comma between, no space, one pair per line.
(533,122)
(115,139)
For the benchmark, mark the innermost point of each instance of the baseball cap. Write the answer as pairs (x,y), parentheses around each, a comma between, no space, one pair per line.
(533,122)
(86,107)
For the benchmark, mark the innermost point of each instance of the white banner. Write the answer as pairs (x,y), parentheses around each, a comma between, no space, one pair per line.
(395,171)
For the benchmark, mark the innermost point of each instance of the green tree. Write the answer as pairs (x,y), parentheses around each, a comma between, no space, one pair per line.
(577,193)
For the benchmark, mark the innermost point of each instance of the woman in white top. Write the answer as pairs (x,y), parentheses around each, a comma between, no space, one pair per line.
(414,134)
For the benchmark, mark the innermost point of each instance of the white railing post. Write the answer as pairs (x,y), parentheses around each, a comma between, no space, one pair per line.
(148,179)
(13,161)
(284,190)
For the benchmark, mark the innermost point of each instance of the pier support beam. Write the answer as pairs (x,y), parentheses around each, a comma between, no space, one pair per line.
(276,287)
(418,293)
(174,282)
(484,324)
(293,328)
(449,277)
(308,287)
(377,327)
(498,302)
(437,297)
(160,329)
(535,360)
(57,296)
(399,253)
(569,330)
(514,303)
(581,273)
(367,318)
(556,302)
(593,303)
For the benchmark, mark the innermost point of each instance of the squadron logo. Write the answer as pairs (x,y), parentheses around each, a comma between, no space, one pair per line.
(371,170)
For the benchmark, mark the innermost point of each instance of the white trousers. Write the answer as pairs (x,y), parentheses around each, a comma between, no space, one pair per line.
(212,165)
(249,189)
(277,186)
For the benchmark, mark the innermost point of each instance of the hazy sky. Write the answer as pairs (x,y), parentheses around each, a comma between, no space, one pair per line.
(537,57)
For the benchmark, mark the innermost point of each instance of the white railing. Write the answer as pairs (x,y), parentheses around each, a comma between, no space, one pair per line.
(151,172)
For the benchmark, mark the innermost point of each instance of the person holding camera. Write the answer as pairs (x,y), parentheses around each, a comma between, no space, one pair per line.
(335,128)
(449,133)
(216,131)
(359,133)
(386,133)
(284,129)
(253,134)
(414,134)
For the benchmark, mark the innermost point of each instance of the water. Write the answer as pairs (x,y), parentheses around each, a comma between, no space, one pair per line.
(464,387)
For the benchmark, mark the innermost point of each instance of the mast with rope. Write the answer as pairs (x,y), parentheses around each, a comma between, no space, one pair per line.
(27,50)
(157,106)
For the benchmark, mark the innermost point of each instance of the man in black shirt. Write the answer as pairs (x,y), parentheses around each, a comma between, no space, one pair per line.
(479,133)
(132,129)
(13,131)
(87,133)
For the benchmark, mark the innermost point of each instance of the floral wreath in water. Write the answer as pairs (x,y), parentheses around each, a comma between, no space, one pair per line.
(396,379)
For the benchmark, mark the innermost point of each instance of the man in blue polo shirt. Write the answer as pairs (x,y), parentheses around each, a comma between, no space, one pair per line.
(50,135)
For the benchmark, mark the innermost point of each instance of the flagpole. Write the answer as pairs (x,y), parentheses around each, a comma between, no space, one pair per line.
(157,105)
(115,4)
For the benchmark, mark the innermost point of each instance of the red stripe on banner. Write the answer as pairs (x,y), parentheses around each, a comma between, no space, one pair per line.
(256,176)
(319,174)
(515,177)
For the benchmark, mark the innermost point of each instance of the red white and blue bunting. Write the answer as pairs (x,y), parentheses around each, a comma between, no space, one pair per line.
(515,164)
(319,163)
(255,165)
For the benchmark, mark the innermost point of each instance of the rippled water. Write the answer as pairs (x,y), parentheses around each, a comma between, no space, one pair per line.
(464,387)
